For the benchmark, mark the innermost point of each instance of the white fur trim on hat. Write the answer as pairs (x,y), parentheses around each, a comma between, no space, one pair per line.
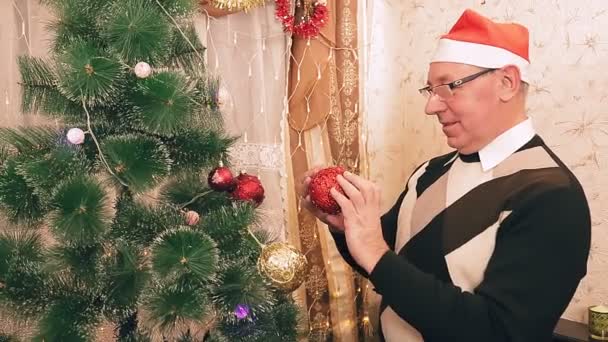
(481,55)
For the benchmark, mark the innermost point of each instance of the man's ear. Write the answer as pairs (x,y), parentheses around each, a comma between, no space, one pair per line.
(510,82)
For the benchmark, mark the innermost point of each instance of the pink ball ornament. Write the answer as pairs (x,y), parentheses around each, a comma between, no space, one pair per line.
(142,70)
(192,218)
(75,136)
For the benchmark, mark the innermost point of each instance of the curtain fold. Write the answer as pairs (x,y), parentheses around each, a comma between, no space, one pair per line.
(323,98)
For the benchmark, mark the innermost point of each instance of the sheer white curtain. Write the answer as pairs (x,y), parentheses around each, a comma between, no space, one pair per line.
(22,32)
(248,52)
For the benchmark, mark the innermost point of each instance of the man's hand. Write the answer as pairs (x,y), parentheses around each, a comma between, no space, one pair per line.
(335,222)
(361,211)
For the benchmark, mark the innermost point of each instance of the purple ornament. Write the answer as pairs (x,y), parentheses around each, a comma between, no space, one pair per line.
(241,311)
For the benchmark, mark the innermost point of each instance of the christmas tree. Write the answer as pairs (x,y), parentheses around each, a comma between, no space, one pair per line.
(123,212)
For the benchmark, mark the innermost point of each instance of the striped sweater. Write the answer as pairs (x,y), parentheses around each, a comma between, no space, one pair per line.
(482,255)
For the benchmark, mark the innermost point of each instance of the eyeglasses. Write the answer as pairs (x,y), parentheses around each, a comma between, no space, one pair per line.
(444,91)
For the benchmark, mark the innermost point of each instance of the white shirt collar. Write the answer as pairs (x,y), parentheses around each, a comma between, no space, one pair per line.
(506,144)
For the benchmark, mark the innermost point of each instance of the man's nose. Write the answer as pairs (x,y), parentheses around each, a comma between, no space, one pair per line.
(434,105)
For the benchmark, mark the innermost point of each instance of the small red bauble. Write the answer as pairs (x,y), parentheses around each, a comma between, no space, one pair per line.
(319,187)
(248,188)
(221,179)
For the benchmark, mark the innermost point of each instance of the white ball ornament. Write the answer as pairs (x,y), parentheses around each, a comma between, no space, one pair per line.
(142,69)
(75,136)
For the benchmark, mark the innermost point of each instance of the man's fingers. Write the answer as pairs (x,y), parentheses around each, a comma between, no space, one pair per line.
(364,185)
(345,204)
(302,187)
(351,191)
(306,203)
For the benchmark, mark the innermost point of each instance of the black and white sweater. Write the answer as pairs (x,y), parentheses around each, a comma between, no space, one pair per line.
(482,254)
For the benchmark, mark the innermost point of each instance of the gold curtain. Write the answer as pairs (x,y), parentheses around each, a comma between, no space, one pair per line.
(323,98)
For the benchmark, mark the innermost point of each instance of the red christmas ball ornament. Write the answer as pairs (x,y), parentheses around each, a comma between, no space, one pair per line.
(248,188)
(244,176)
(320,186)
(221,179)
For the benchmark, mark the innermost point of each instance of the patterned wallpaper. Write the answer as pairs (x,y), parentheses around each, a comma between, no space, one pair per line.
(568,99)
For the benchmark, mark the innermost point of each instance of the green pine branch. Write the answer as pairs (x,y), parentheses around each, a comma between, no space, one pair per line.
(137,30)
(194,148)
(180,8)
(208,88)
(103,129)
(73,313)
(164,103)
(18,200)
(208,113)
(228,226)
(44,172)
(8,338)
(278,325)
(127,275)
(81,262)
(170,307)
(25,292)
(40,91)
(140,161)
(139,224)
(87,73)
(184,252)
(19,244)
(74,20)
(240,284)
(30,140)
(188,191)
(80,211)
(183,55)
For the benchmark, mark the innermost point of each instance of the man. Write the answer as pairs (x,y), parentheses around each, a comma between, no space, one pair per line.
(489,242)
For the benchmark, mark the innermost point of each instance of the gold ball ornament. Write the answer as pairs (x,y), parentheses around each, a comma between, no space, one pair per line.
(237,5)
(283,265)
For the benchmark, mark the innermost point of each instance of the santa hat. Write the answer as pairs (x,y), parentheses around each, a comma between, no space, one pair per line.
(479,41)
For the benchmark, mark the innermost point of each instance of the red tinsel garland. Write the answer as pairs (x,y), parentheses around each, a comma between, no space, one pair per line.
(306,29)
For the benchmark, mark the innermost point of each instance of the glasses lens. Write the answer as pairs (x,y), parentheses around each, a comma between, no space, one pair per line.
(443,91)
(426,92)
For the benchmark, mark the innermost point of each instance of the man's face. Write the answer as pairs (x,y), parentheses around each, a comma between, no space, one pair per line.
(466,116)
